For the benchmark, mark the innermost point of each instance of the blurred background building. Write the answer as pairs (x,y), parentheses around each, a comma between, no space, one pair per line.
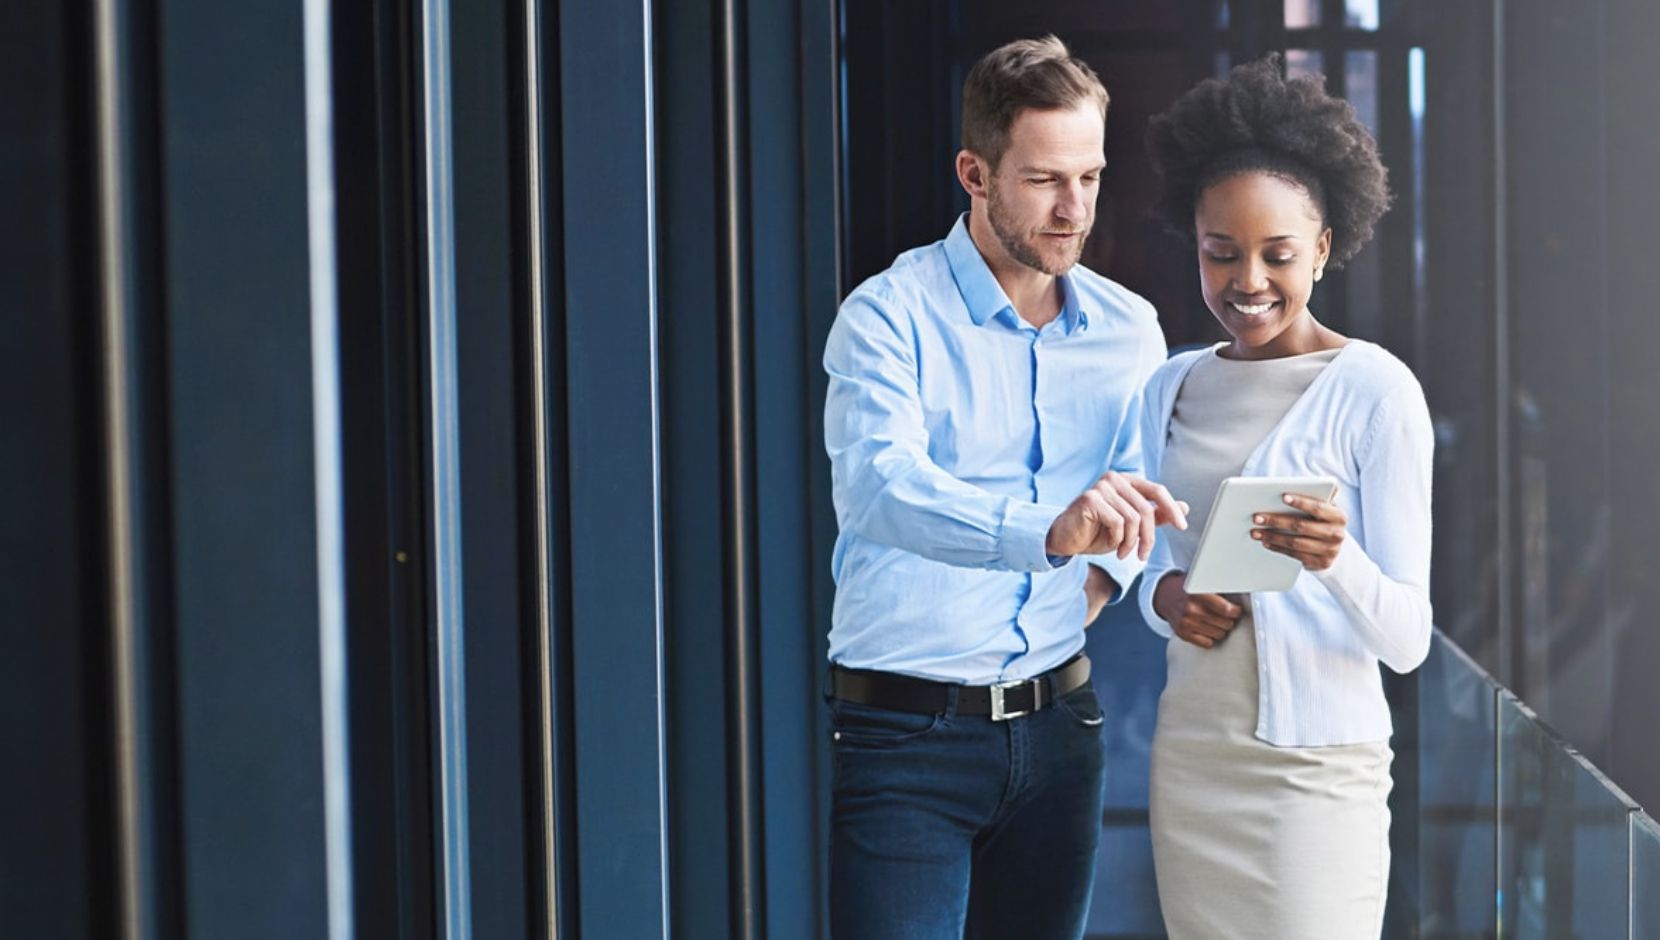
(416,519)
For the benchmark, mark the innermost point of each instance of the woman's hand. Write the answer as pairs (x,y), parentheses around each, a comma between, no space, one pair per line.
(1201,619)
(1313,541)
(1099,588)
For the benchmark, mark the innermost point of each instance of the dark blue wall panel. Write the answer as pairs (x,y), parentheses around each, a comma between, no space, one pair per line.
(53,811)
(694,568)
(611,310)
(246,576)
(490,515)
(780,196)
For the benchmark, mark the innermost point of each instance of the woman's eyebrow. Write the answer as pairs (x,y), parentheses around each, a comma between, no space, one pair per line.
(1228,238)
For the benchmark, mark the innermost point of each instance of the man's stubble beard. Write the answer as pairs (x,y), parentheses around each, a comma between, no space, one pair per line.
(1009,235)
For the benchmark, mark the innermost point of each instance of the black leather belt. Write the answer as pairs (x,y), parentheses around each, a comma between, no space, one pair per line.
(1001,701)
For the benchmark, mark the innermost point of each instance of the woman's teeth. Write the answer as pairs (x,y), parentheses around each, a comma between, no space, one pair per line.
(1251,310)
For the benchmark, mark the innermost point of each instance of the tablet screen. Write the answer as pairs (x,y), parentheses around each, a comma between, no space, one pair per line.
(1228,560)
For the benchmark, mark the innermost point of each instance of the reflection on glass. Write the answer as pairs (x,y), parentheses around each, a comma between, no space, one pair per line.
(1362,14)
(1302,14)
(1224,62)
(1126,896)
(1420,279)
(1360,73)
(1223,15)
(1366,308)
(1564,844)
(1304,62)
(1457,794)
(1129,676)
(1645,876)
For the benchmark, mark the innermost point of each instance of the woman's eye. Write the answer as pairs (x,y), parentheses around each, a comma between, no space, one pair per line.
(1280,262)
(1222,259)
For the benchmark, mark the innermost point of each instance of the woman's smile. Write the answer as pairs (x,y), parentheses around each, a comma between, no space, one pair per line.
(1256,309)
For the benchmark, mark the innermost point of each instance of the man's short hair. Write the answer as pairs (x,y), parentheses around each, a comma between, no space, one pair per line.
(1040,74)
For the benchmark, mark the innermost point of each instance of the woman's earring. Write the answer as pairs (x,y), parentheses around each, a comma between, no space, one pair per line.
(1318,272)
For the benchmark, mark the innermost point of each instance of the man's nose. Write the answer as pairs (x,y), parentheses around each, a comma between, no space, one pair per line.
(1072,206)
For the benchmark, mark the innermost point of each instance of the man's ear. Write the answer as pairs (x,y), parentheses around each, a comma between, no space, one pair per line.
(972,173)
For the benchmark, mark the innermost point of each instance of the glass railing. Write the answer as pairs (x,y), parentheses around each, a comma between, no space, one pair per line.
(1457,797)
(1645,877)
(1501,828)
(1518,834)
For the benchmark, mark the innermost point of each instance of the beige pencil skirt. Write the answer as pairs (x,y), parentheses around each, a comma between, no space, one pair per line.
(1256,841)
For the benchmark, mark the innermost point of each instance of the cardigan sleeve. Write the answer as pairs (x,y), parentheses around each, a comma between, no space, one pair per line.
(1384,585)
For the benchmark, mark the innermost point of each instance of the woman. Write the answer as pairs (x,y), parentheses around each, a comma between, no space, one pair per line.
(1270,767)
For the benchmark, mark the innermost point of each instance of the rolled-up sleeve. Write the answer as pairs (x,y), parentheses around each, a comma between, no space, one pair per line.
(885,486)
(1128,455)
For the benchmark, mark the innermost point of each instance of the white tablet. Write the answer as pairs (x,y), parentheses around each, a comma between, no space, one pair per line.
(1229,561)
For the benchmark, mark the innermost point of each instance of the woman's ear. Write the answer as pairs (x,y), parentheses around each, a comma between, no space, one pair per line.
(1322,253)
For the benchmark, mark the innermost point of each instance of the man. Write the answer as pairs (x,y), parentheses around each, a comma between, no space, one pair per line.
(981,422)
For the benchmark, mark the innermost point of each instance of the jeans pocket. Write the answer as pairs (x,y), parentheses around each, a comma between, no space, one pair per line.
(867,725)
(1083,706)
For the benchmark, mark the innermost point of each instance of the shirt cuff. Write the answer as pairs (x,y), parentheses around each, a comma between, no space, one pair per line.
(1124,571)
(1025,532)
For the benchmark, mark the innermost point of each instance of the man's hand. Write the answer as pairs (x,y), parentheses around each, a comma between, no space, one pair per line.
(1201,619)
(1117,514)
(1099,588)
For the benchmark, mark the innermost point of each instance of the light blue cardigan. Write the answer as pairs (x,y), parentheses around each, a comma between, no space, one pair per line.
(1364,422)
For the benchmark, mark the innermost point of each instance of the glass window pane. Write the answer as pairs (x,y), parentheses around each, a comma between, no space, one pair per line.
(1564,863)
(1360,74)
(1362,14)
(1645,877)
(1457,794)
(1304,62)
(1302,14)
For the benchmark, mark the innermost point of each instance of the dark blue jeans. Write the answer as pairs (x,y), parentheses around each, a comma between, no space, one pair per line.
(952,826)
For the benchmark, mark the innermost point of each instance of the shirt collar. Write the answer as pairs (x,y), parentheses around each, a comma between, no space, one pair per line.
(982,294)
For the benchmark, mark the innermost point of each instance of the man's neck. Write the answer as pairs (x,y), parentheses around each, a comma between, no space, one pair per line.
(1036,296)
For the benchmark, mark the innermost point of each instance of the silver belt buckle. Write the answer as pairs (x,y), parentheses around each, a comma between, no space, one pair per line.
(998,713)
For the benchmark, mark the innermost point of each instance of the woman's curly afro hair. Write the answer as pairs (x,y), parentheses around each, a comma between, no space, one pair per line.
(1256,120)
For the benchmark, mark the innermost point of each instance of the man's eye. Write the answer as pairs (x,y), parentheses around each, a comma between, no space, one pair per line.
(1041,180)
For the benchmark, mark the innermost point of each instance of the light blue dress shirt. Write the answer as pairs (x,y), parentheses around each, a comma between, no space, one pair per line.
(1364,422)
(957,432)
